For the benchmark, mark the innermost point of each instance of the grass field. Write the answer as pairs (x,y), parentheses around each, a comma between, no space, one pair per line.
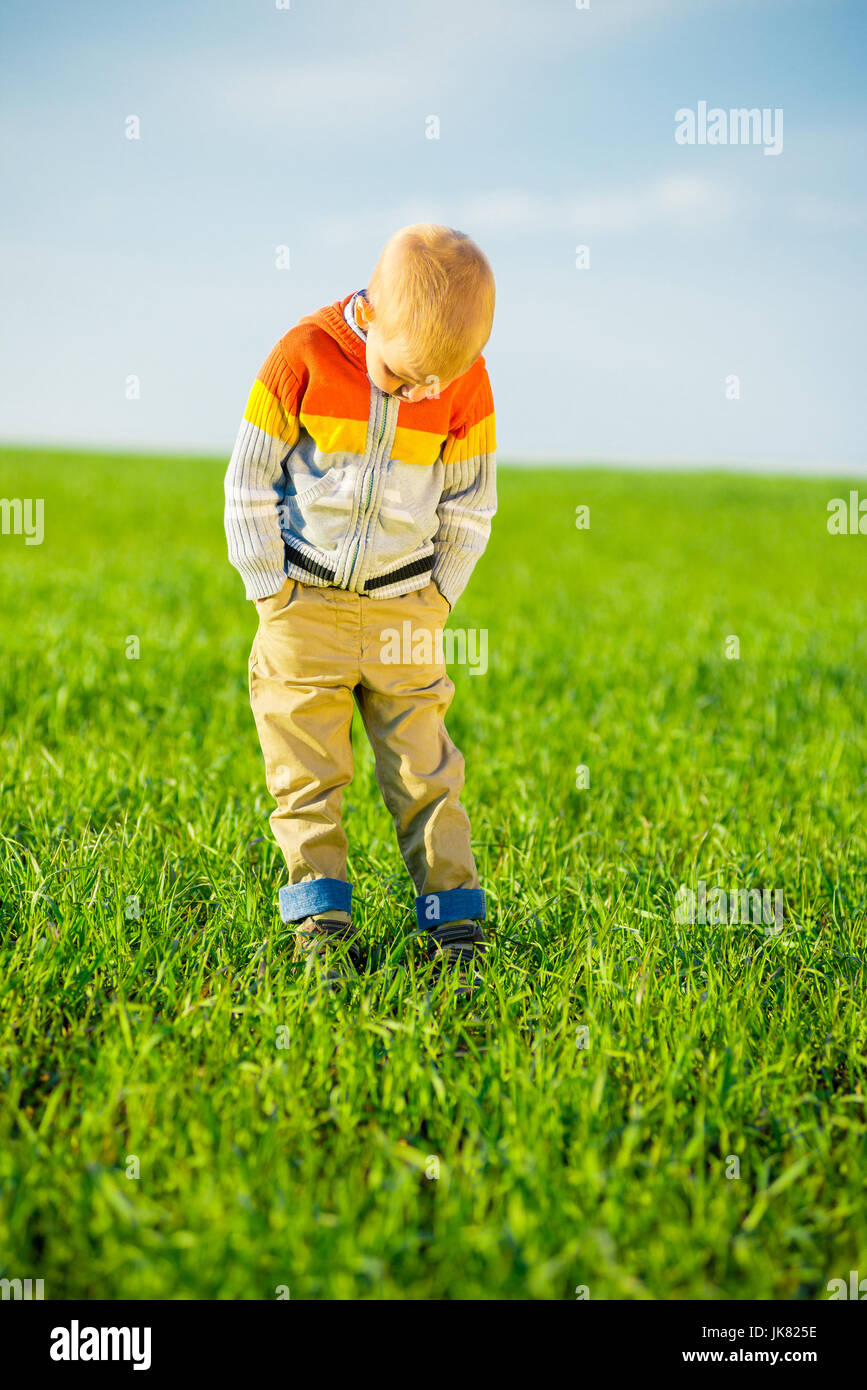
(151,1021)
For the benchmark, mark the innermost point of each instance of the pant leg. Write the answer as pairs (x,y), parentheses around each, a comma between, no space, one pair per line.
(419,770)
(303,667)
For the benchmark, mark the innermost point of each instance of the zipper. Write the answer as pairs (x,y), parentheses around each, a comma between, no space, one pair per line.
(367,486)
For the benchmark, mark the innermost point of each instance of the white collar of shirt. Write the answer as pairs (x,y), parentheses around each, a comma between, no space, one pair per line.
(349,314)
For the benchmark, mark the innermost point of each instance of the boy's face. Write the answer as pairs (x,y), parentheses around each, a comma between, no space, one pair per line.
(386,366)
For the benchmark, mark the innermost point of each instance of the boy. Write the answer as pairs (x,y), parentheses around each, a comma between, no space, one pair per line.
(359,496)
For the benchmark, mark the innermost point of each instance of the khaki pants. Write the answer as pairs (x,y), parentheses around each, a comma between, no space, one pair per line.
(319,652)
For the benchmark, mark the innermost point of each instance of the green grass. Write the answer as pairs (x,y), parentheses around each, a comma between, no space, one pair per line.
(306,1165)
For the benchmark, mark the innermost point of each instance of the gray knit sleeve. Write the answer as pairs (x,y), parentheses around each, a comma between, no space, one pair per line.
(469,496)
(256,477)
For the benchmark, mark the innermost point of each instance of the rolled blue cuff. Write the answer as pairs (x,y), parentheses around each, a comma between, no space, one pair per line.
(300,900)
(454,905)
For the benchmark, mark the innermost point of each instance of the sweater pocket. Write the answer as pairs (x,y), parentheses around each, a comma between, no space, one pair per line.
(400,528)
(318,511)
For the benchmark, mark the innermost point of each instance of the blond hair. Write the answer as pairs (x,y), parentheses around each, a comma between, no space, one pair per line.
(433,290)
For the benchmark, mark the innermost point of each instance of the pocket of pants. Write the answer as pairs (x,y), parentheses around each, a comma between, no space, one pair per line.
(439,597)
(279,602)
(251,662)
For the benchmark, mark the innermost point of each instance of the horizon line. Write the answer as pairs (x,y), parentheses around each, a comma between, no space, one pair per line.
(768,467)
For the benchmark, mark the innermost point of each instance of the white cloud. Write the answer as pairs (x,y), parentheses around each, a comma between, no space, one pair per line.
(333,92)
(829,214)
(677,200)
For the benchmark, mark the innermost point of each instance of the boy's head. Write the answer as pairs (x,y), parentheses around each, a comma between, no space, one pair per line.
(429,312)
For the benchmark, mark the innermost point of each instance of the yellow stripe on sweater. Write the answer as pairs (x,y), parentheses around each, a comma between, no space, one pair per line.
(416,446)
(479,439)
(333,435)
(265,412)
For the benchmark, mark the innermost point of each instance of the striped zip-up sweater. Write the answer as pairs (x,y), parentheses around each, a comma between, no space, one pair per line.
(333,481)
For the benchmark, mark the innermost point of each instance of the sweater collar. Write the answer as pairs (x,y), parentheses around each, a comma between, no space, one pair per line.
(332,319)
(349,313)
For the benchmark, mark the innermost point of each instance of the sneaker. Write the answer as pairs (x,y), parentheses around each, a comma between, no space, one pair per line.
(327,944)
(455,948)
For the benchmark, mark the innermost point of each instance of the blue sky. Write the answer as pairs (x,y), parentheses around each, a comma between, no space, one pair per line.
(263,127)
